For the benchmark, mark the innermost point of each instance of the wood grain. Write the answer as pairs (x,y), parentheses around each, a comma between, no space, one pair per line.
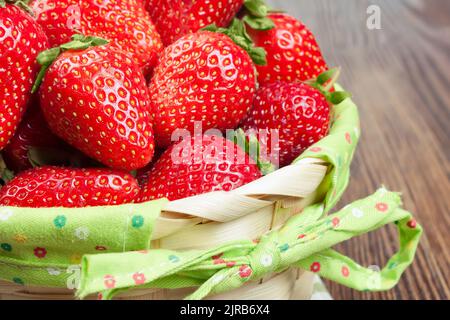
(400,79)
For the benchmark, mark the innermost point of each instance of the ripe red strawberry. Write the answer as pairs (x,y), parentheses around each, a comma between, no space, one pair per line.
(300,113)
(21,39)
(292,51)
(59,187)
(125,23)
(201,77)
(97,101)
(189,168)
(176,18)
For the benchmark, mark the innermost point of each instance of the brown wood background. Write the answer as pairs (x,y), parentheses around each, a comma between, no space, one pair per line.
(400,79)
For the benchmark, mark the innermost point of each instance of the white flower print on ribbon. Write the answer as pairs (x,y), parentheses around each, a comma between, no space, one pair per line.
(373,282)
(5,214)
(266,260)
(218,278)
(53,271)
(356,131)
(357,213)
(82,233)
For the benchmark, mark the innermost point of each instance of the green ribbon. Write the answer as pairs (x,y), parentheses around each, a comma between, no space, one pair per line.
(303,242)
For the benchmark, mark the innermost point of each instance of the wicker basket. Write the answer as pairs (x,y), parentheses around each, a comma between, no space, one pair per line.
(215,218)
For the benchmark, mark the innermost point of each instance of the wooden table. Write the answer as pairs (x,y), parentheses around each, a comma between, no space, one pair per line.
(400,79)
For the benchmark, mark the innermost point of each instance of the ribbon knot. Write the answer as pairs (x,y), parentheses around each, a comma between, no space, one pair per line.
(265,257)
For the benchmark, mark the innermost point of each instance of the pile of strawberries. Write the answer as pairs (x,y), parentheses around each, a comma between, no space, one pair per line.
(101,100)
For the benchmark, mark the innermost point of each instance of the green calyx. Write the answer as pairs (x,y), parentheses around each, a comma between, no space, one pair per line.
(255,15)
(6,175)
(325,82)
(250,144)
(238,33)
(23,4)
(47,57)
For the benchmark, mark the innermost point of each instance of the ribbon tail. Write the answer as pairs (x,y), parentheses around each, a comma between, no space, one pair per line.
(334,266)
(223,280)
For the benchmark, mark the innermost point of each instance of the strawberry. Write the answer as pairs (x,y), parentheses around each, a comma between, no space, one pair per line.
(292,51)
(198,165)
(299,112)
(61,187)
(176,18)
(21,39)
(125,23)
(97,101)
(203,77)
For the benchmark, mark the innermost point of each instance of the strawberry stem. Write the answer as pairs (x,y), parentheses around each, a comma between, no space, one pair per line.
(238,33)
(47,57)
(325,82)
(329,77)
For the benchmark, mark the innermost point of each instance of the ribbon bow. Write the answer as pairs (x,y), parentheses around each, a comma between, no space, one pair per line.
(303,242)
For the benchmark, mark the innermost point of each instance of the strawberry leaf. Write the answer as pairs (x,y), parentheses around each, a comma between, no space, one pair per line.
(47,57)
(21,4)
(250,144)
(80,42)
(332,74)
(257,8)
(238,33)
(259,56)
(255,15)
(338,96)
(258,23)
(325,82)
(238,28)
(134,173)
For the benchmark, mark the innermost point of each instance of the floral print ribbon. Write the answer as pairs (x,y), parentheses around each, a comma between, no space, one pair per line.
(304,242)
(44,246)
